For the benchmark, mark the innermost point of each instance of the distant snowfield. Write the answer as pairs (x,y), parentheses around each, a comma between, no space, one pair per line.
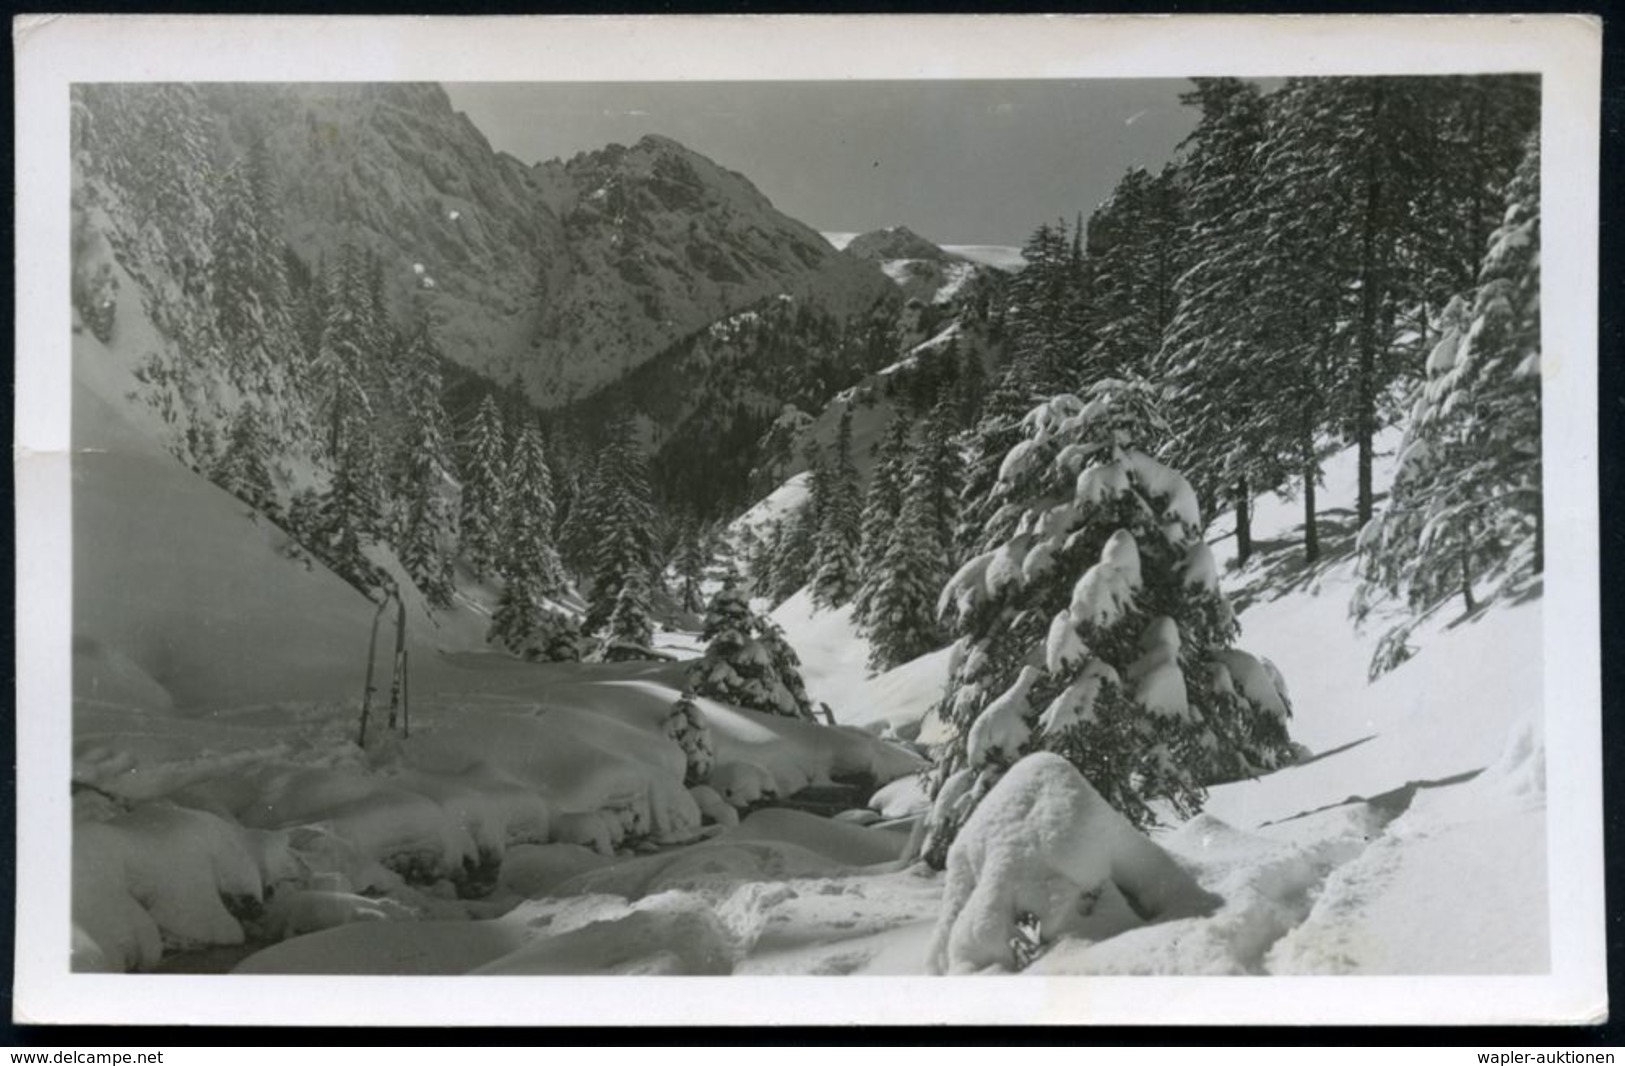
(1002,256)
(224,805)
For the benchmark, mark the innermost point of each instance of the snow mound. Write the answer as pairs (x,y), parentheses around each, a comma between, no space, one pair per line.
(311,910)
(582,762)
(741,784)
(157,877)
(683,936)
(843,843)
(1036,859)
(714,869)
(901,798)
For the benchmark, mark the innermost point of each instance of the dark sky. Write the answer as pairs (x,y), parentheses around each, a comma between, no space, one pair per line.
(963,162)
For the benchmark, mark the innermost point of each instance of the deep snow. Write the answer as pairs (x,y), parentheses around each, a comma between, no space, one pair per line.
(537,821)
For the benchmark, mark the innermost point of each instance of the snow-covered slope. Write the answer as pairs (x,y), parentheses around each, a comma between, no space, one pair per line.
(536,821)
(834,659)
(1409,840)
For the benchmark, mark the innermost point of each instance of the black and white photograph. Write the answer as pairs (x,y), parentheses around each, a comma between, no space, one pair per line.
(1070,524)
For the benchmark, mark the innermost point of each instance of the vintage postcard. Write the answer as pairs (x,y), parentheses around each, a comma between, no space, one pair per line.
(1018,519)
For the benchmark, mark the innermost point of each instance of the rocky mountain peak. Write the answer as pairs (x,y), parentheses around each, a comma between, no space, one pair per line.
(896,242)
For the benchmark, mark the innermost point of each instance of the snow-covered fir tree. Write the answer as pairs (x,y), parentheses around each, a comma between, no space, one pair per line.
(747,661)
(794,542)
(757,550)
(249,287)
(688,728)
(995,433)
(882,505)
(343,360)
(1227,439)
(835,554)
(901,597)
(426,535)
(901,620)
(244,467)
(626,524)
(527,626)
(1465,507)
(1092,625)
(629,633)
(484,499)
(786,666)
(528,544)
(347,518)
(517,618)
(1046,320)
(688,564)
(938,462)
(1131,263)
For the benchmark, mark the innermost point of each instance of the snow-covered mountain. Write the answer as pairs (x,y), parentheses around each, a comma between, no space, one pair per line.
(562,275)
(660,242)
(895,242)
(923,270)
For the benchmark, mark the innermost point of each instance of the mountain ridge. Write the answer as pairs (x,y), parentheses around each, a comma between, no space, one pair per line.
(558,276)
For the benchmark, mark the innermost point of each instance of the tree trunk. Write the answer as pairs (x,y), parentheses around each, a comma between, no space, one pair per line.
(1244,525)
(1540,536)
(1311,533)
(1365,414)
(1467,583)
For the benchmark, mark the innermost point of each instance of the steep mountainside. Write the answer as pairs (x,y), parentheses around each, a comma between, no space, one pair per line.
(661,242)
(562,276)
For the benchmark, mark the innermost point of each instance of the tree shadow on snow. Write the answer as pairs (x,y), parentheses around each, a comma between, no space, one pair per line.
(1278,568)
(1389,805)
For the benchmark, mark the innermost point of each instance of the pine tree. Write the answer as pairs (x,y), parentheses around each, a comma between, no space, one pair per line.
(350,511)
(972,385)
(484,499)
(687,727)
(938,462)
(626,521)
(244,468)
(1092,626)
(1347,165)
(747,662)
(796,548)
(790,697)
(881,508)
(689,564)
(1466,500)
(762,558)
(244,284)
(341,368)
(348,517)
(518,617)
(1232,442)
(1046,318)
(835,554)
(528,543)
(998,430)
(427,529)
(902,615)
(1131,264)
(629,632)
